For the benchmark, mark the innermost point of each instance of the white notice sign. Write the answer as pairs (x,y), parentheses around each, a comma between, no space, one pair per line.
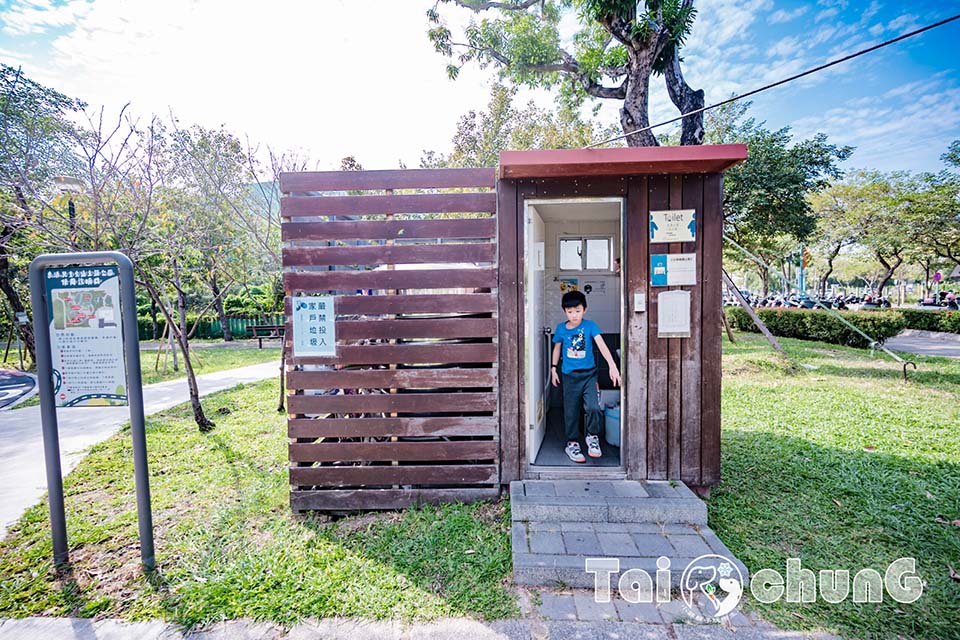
(314,326)
(673,314)
(678,225)
(681,269)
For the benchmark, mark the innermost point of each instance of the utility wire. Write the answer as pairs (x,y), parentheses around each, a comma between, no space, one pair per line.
(780,82)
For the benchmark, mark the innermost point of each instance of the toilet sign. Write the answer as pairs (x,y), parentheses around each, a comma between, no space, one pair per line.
(677,225)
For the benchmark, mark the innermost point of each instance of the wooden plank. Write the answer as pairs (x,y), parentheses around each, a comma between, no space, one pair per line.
(391,378)
(401,451)
(400,279)
(690,348)
(507,313)
(444,353)
(388,229)
(635,268)
(364,499)
(390,427)
(389,254)
(428,303)
(674,382)
(657,355)
(386,403)
(393,474)
(291,206)
(587,187)
(622,161)
(417,328)
(303,181)
(711,347)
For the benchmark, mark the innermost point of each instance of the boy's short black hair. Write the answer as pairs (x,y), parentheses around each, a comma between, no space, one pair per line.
(572,299)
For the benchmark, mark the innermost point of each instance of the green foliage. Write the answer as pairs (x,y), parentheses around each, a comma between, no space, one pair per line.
(766,195)
(805,324)
(924,320)
(921,320)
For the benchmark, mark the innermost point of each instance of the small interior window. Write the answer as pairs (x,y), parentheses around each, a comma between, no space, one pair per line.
(580,254)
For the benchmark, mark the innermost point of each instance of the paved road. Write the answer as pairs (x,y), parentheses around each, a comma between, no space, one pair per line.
(22,475)
(15,387)
(927,343)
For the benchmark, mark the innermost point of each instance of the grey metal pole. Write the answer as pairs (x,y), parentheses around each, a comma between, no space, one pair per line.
(48,411)
(138,427)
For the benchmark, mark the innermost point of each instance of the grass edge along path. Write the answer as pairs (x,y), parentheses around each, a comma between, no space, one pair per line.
(210,360)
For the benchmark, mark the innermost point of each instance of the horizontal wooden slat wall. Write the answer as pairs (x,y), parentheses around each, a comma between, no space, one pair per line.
(407,410)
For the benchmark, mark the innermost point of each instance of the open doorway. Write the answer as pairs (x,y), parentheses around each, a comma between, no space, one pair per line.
(571,245)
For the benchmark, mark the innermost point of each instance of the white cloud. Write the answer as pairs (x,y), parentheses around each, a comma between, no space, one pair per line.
(782,15)
(825,14)
(38,16)
(352,77)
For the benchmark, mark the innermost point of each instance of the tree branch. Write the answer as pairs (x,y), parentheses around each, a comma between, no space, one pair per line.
(481,5)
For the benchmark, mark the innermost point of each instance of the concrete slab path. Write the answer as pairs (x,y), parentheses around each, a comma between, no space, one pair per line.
(346,629)
(22,475)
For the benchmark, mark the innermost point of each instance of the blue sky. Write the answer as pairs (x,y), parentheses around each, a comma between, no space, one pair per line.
(358,77)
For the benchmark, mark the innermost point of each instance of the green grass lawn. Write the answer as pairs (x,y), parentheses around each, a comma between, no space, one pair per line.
(205,360)
(228,546)
(843,466)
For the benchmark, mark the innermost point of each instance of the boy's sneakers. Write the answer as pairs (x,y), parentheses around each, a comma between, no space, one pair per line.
(593,447)
(573,452)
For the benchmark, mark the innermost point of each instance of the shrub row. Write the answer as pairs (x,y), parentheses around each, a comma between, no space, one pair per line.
(208,327)
(807,324)
(948,321)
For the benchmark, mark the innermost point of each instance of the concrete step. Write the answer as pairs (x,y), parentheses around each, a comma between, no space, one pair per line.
(565,532)
(551,553)
(625,501)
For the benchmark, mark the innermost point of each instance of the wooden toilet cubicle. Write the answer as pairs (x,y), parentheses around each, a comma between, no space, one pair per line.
(442,288)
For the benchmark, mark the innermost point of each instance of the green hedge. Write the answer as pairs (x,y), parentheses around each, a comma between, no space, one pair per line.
(807,324)
(922,320)
(209,327)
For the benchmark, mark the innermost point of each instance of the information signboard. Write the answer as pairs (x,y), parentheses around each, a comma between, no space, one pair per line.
(83,314)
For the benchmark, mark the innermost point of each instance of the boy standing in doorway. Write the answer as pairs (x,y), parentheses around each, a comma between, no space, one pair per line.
(573,340)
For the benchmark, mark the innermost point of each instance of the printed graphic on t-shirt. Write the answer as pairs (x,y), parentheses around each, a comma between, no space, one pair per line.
(577,349)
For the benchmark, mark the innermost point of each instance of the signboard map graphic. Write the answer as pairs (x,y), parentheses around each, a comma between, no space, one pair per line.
(85,335)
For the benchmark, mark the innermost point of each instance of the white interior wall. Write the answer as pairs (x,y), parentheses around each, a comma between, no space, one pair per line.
(603,307)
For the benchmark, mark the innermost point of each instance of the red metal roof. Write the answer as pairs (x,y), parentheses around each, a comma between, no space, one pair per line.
(626,161)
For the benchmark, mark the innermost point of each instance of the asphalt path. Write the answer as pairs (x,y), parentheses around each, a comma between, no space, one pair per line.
(927,343)
(22,474)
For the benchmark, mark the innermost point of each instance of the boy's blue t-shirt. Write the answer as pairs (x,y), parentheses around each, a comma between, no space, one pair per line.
(577,345)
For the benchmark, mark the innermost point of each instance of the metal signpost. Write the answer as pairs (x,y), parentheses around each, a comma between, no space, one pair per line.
(95,322)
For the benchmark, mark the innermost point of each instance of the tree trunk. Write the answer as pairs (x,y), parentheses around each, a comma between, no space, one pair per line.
(826,274)
(16,304)
(154,327)
(633,114)
(203,423)
(686,100)
(218,306)
(764,280)
(890,269)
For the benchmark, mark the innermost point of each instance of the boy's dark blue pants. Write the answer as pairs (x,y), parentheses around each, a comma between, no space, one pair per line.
(581,392)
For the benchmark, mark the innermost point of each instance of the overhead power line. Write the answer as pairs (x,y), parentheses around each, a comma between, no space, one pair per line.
(784,81)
